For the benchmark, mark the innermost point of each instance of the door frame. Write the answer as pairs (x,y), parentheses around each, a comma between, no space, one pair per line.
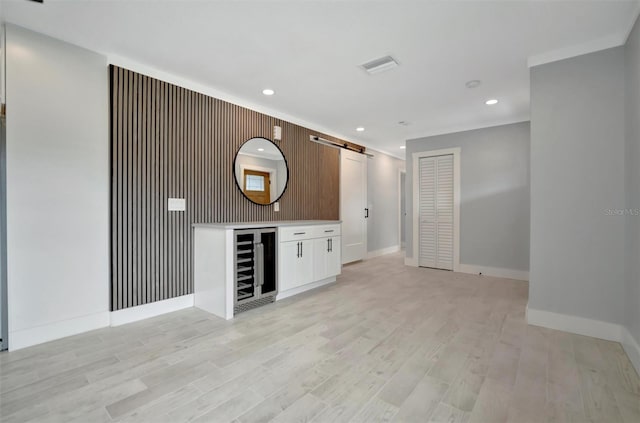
(400,172)
(456,203)
(272,176)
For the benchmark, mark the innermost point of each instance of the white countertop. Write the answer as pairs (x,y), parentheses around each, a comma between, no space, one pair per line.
(271,224)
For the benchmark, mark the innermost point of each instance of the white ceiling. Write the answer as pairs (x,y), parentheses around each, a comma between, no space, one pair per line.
(269,150)
(309,52)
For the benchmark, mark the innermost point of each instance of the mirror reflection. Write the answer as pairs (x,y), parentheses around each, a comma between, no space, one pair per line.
(261,171)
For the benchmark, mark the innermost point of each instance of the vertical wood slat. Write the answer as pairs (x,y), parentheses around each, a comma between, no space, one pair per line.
(166,142)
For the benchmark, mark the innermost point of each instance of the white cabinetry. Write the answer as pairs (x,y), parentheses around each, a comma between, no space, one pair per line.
(296,263)
(326,256)
(309,256)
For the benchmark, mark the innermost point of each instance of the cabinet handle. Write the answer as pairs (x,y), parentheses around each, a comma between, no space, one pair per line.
(366,211)
(301,254)
(299,233)
(328,242)
(331,242)
(298,249)
(326,232)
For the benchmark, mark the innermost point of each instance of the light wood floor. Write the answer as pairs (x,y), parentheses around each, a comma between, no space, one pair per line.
(387,343)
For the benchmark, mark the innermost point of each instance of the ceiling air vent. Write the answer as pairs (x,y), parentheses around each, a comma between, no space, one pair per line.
(379,65)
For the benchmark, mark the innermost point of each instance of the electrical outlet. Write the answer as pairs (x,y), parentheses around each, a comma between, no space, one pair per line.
(176,204)
(276,206)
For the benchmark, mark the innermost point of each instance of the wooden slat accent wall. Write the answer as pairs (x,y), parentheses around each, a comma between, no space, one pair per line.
(170,142)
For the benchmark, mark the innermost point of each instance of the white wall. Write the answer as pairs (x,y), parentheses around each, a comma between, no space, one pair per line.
(494,195)
(632,166)
(577,174)
(383,201)
(57,188)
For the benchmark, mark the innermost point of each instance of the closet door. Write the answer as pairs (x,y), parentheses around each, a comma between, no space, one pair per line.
(428,224)
(436,212)
(444,211)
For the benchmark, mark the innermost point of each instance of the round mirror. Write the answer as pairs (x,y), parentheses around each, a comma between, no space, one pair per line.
(261,171)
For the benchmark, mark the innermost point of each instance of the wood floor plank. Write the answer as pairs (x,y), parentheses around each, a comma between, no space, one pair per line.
(423,401)
(387,342)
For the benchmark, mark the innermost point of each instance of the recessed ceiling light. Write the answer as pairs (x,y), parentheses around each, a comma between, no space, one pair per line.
(268,91)
(474,83)
(359,129)
(491,102)
(402,147)
(260,149)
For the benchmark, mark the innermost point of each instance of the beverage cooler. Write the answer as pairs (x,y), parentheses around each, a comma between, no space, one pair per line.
(255,268)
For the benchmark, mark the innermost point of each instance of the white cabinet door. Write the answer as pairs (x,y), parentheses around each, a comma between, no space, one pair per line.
(320,262)
(305,262)
(295,264)
(334,260)
(327,260)
(287,259)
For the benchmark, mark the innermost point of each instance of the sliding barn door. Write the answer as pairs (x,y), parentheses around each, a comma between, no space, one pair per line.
(436,212)
(353,203)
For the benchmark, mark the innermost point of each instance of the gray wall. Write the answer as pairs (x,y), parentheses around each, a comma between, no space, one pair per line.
(632,166)
(383,201)
(57,188)
(4,327)
(577,174)
(494,191)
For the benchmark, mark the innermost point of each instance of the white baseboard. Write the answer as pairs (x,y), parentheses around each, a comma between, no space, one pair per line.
(145,311)
(410,261)
(382,252)
(300,289)
(521,275)
(40,334)
(588,327)
(632,348)
(575,324)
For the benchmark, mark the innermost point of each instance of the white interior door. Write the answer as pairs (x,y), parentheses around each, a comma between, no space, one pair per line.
(436,212)
(353,201)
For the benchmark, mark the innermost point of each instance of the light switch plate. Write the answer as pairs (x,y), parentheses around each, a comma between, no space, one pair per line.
(176,204)
(276,206)
(277,133)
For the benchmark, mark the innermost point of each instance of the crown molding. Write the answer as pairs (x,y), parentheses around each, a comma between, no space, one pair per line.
(611,41)
(190,84)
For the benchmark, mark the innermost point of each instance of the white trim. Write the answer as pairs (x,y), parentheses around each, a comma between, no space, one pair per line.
(300,289)
(410,261)
(456,201)
(383,251)
(145,311)
(498,272)
(400,172)
(564,53)
(575,324)
(40,334)
(273,178)
(610,41)
(587,327)
(454,129)
(632,348)
(201,88)
(635,15)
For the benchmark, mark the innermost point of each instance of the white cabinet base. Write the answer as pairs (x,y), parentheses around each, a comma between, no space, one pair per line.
(300,289)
